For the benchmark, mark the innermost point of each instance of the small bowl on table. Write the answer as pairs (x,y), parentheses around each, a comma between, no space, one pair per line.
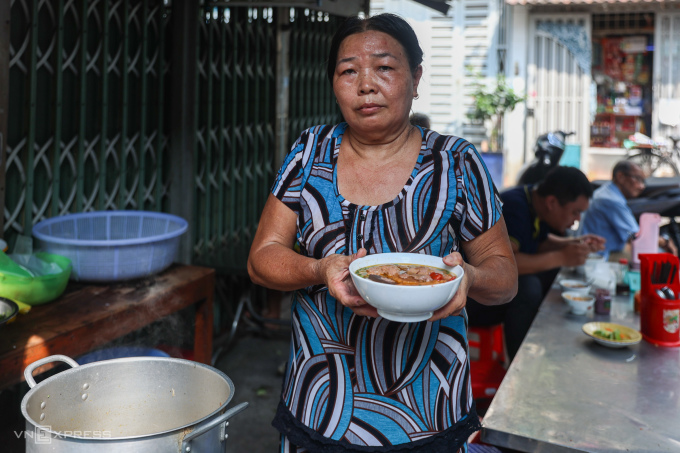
(578,286)
(405,303)
(580,303)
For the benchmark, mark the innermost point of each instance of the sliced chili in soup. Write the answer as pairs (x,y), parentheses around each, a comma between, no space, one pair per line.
(406,274)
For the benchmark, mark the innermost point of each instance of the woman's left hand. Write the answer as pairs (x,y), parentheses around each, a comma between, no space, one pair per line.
(455,306)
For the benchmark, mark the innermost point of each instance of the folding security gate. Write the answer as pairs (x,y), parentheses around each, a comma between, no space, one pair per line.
(558,85)
(91,107)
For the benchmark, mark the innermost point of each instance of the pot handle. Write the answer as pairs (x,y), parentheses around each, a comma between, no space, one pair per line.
(28,372)
(210,425)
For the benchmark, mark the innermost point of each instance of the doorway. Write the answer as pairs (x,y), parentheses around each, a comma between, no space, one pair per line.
(558,77)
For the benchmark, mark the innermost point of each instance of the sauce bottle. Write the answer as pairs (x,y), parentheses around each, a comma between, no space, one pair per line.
(622,288)
(603,301)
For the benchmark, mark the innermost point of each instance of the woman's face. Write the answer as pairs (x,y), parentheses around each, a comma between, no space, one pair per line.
(373,82)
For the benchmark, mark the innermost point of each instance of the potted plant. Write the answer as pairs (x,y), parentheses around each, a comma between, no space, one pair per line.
(490,104)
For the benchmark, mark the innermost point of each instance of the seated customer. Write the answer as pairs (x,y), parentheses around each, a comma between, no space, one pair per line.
(530,212)
(609,214)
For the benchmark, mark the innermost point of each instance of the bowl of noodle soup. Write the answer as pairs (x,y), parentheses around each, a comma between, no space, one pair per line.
(405,287)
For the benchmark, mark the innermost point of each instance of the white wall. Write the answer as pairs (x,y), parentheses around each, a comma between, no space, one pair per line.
(440,87)
(515,138)
(464,37)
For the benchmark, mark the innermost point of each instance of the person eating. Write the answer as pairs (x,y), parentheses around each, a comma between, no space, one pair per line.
(538,219)
(610,216)
(377,184)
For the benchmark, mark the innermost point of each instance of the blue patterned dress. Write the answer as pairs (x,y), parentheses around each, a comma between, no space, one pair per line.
(356,383)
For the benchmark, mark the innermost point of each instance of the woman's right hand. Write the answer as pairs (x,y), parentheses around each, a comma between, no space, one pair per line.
(335,272)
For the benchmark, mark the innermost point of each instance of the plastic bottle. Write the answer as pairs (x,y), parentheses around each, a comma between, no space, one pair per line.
(603,277)
(647,239)
(603,301)
(603,280)
(622,288)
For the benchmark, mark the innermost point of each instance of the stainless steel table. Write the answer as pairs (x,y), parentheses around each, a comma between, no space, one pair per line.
(565,393)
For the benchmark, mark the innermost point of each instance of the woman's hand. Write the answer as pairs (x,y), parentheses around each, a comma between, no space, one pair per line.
(455,305)
(335,272)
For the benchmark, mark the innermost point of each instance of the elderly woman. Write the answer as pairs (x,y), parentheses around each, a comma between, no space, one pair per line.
(376,184)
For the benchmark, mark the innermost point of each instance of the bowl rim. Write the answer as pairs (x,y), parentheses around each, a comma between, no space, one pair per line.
(564,283)
(457,270)
(47,238)
(590,297)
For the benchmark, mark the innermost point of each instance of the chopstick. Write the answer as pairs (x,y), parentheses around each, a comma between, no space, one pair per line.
(654,279)
(664,273)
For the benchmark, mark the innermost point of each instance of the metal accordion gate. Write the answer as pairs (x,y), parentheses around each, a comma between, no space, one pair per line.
(89,105)
(111,105)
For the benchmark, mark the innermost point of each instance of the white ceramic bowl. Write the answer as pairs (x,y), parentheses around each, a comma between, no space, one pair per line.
(405,303)
(577,286)
(580,303)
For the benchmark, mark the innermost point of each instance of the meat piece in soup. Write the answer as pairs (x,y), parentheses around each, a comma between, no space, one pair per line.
(406,274)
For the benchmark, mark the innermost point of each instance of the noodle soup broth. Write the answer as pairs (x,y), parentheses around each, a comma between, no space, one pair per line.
(405,274)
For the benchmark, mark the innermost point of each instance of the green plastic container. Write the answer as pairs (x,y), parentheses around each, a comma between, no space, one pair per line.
(36,290)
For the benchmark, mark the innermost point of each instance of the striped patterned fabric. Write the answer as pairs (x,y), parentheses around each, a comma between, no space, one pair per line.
(369,381)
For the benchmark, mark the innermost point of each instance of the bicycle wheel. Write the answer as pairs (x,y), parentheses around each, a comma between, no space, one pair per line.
(654,165)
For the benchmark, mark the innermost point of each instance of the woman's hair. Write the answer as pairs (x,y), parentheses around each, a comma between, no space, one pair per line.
(566,184)
(388,23)
(420,119)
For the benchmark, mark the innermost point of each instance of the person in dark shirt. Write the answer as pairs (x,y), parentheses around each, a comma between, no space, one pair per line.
(537,218)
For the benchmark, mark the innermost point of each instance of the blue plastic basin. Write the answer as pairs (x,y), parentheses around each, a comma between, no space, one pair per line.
(119,353)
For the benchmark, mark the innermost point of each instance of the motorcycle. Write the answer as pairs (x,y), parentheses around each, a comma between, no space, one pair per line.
(548,151)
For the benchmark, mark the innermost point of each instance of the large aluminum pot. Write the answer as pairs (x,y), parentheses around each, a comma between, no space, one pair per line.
(136,404)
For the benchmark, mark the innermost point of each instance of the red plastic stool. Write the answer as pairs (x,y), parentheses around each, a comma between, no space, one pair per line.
(488,370)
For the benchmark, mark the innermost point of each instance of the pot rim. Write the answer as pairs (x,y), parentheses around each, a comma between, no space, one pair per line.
(64,374)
